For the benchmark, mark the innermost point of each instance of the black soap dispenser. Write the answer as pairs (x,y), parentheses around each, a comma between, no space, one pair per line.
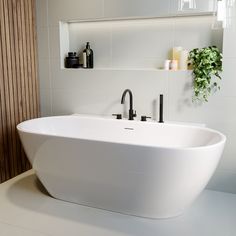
(88,57)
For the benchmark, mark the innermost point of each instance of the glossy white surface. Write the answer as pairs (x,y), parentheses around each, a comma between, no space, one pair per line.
(27,211)
(139,168)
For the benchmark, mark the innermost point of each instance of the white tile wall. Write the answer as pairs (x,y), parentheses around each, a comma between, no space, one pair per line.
(229,47)
(135,8)
(45,73)
(70,86)
(229,85)
(46,102)
(99,91)
(42,13)
(73,9)
(54,42)
(44,56)
(43,42)
(225,177)
(194,32)
(135,43)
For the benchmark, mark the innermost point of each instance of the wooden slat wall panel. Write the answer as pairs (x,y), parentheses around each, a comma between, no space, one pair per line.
(18,81)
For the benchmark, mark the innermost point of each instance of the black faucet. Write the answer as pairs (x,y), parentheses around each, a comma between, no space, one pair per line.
(132,114)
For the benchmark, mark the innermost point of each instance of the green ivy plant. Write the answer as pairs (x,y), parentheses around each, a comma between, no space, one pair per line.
(207,65)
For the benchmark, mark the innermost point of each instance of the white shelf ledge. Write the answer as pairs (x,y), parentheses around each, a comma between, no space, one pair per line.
(125,69)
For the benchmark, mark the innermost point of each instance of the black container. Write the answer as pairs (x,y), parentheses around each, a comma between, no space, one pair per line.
(72,61)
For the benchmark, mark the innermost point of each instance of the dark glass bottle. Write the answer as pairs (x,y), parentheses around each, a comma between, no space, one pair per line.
(88,56)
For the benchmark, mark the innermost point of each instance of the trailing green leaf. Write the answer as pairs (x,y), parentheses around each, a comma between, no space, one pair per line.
(207,65)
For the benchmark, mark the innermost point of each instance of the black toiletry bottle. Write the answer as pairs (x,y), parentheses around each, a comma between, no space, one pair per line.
(88,57)
(72,61)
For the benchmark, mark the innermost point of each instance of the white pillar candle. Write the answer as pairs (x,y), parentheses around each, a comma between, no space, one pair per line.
(176,54)
(167,64)
(174,65)
(183,60)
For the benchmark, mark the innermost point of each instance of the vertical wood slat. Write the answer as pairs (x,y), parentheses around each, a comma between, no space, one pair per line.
(21,63)
(4,95)
(15,85)
(18,81)
(9,85)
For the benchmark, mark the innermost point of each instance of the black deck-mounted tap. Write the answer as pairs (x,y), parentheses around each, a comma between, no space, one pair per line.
(132,114)
(161,120)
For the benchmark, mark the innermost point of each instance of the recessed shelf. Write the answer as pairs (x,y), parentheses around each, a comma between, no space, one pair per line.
(135,44)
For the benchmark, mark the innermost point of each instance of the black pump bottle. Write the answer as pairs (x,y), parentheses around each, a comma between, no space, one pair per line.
(88,57)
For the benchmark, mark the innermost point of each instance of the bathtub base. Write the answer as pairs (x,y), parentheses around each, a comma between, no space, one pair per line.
(156,217)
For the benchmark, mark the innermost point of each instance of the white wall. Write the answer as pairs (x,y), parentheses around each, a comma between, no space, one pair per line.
(99,91)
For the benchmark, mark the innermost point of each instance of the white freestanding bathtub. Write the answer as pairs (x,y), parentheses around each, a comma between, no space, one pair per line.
(140,168)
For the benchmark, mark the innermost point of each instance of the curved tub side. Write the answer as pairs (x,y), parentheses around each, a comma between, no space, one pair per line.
(143,181)
(31,143)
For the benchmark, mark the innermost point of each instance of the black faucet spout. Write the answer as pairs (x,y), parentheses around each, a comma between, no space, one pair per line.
(130,98)
(132,114)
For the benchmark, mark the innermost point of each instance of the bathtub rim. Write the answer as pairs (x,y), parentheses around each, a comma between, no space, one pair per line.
(222,140)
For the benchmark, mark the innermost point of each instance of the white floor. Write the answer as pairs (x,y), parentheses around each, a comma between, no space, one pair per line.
(25,210)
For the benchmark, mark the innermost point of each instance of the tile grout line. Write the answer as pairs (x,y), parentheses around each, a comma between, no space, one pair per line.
(49,62)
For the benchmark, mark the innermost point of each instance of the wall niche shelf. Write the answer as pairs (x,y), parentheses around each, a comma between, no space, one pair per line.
(125,69)
(136,44)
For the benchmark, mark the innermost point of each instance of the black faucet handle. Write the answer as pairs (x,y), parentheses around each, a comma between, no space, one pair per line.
(118,116)
(144,118)
(134,114)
